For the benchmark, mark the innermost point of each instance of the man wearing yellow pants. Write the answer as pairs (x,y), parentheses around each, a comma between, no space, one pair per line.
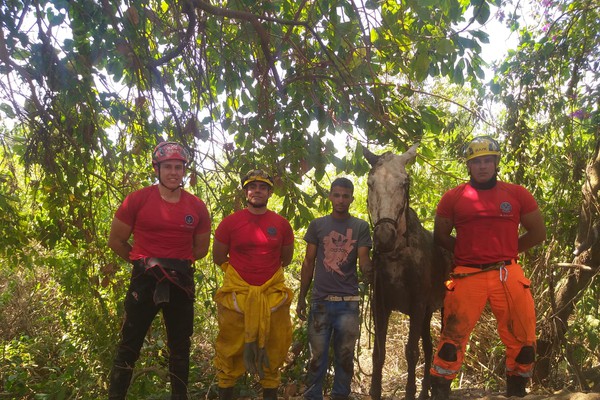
(252,246)
(487,214)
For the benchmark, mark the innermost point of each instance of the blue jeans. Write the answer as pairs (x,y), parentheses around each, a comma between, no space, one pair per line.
(337,320)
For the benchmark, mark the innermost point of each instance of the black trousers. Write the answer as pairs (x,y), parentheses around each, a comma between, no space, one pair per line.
(140,311)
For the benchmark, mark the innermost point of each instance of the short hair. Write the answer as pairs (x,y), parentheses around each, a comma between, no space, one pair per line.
(342,182)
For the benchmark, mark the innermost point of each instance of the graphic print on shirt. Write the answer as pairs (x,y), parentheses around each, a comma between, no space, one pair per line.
(337,247)
(506,208)
(272,231)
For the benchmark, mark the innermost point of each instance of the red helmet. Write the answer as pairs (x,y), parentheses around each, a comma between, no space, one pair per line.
(165,151)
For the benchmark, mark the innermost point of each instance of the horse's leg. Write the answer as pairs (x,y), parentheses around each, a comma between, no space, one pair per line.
(412,348)
(427,352)
(381,319)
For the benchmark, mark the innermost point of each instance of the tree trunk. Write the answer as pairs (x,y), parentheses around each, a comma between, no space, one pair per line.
(573,285)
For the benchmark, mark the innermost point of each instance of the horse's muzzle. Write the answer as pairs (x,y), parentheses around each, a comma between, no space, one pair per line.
(384,237)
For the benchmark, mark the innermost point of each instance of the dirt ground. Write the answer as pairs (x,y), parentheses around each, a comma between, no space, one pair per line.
(476,394)
(472,394)
(394,372)
(484,361)
(563,395)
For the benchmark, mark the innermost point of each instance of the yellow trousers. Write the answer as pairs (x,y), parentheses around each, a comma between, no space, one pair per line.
(249,314)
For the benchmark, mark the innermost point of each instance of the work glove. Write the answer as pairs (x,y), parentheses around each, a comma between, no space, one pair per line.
(255,359)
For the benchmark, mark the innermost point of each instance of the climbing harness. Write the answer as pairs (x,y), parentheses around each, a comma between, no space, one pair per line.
(500,265)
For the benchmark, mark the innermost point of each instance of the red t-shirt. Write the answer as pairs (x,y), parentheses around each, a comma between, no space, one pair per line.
(255,243)
(486,221)
(163,229)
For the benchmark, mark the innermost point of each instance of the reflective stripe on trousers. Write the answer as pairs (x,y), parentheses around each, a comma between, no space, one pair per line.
(507,291)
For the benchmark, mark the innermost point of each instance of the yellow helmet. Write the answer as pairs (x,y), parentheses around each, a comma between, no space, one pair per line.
(257,175)
(482,146)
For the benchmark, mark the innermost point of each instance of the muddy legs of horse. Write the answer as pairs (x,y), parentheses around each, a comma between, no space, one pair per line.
(440,388)
(381,320)
(419,330)
(427,354)
(516,386)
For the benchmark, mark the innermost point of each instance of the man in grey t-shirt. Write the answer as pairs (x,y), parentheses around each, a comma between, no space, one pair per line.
(334,244)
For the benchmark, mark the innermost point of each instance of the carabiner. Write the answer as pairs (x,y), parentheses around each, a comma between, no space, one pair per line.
(503,274)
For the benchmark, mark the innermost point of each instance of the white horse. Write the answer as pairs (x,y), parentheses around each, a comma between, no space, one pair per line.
(409,268)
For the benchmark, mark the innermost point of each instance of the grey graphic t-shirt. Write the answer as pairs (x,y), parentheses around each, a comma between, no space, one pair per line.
(337,243)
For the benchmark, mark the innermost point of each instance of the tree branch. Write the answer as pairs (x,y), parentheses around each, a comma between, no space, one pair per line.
(186,8)
(449,100)
(576,266)
(254,20)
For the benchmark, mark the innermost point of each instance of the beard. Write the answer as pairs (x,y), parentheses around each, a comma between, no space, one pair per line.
(257,204)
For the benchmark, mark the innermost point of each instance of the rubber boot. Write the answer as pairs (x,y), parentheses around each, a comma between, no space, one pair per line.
(440,388)
(515,386)
(226,393)
(270,394)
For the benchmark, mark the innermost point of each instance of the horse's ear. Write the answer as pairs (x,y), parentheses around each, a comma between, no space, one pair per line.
(410,154)
(371,158)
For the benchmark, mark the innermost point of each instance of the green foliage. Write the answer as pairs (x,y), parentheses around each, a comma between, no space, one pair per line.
(88,88)
(549,89)
(260,83)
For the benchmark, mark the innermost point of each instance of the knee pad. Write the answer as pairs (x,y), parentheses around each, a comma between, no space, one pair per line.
(448,352)
(526,355)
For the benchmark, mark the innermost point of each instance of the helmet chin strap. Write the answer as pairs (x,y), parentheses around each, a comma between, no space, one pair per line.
(485,185)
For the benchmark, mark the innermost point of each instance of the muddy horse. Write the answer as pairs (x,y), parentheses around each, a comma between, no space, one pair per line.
(409,268)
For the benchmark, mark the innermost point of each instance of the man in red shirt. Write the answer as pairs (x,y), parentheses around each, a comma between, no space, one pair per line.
(171,229)
(252,246)
(486,214)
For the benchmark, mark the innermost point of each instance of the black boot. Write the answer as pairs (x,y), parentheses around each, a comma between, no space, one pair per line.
(440,388)
(226,393)
(179,370)
(270,394)
(515,386)
(120,379)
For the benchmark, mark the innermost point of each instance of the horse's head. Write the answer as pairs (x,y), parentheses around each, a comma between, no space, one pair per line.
(388,196)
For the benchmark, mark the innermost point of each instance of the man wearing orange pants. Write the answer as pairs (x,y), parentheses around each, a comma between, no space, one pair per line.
(486,214)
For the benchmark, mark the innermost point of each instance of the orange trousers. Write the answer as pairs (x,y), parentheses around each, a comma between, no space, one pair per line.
(507,291)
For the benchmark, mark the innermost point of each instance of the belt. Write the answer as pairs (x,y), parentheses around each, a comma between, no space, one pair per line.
(174,264)
(488,265)
(342,298)
(166,271)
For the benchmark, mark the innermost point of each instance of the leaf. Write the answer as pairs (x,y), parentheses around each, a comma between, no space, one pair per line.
(482,13)
(7,109)
(466,43)
(457,76)
(483,37)
(420,66)
(55,19)
(444,46)
(495,88)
